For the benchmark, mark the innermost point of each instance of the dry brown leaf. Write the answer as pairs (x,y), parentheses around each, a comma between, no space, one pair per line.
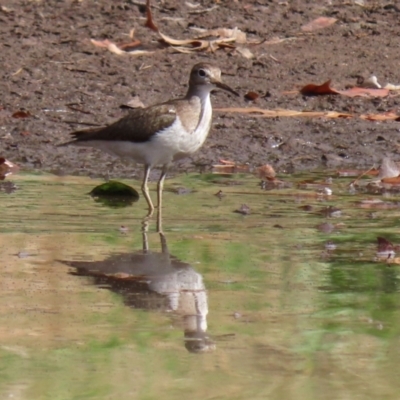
(315,90)
(135,102)
(203,10)
(283,113)
(149,20)
(277,40)
(226,162)
(100,43)
(364,92)
(21,114)
(251,96)
(318,23)
(245,52)
(234,34)
(177,42)
(208,40)
(389,115)
(211,40)
(191,45)
(131,46)
(127,48)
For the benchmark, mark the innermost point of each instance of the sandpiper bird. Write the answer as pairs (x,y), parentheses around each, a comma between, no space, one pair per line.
(162,133)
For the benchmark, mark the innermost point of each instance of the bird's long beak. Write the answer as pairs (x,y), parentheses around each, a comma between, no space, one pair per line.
(221,85)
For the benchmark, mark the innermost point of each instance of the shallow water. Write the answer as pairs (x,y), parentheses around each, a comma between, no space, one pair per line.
(228,306)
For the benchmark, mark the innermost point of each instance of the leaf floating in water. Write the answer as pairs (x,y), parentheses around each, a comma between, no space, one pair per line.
(8,187)
(386,250)
(229,167)
(7,168)
(326,227)
(330,212)
(244,209)
(115,194)
(180,190)
(378,204)
(123,229)
(220,194)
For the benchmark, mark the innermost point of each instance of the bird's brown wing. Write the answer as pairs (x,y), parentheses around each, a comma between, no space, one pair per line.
(138,126)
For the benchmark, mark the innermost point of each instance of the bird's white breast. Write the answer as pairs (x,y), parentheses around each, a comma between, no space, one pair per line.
(176,142)
(170,144)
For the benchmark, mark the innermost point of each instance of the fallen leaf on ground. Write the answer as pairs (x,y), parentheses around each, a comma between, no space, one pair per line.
(283,113)
(234,34)
(211,40)
(245,52)
(206,40)
(21,114)
(226,162)
(203,10)
(135,102)
(386,116)
(277,40)
(314,90)
(251,96)
(317,90)
(318,23)
(364,92)
(126,48)
(149,20)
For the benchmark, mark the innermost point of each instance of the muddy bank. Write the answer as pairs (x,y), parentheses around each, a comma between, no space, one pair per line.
(51,70)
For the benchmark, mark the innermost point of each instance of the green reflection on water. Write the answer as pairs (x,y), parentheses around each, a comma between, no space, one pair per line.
(289,319)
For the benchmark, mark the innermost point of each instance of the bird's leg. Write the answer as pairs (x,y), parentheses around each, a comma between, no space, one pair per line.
(145,190)
(160,186)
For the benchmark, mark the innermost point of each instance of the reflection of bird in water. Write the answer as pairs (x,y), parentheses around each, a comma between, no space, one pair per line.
(156,281)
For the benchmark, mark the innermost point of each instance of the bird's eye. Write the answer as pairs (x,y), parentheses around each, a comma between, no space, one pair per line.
(201,73)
